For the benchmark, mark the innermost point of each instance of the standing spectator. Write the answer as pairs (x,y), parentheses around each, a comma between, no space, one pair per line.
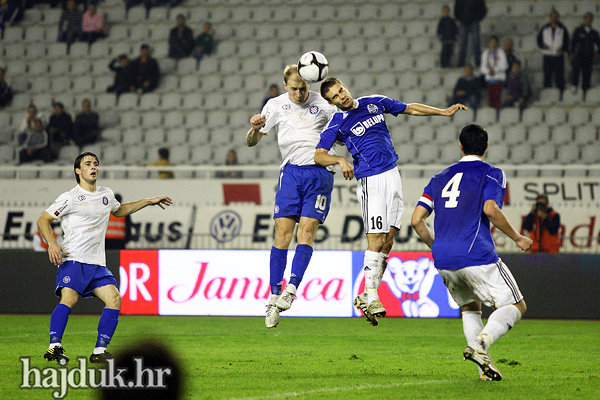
(273,92)
(86,129)
(181,39)
(583,52)
(511,56)
(93,25)
(493,67)
(469,13)
(204,43)
(120,66)
(60,127)
(467,90)
(69,26)
(163,160)
(144,72)
(447,32)
(6,92)
(553,39)
(543,224)
(518,88)
(32,115)
(34,143)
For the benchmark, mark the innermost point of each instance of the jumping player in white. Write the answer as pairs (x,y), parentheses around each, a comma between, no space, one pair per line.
(361,126)
(304,190)
(466,197)
(82,271)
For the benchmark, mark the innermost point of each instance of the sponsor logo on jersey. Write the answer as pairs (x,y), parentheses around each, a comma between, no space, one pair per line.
(286,107)
(62,207)
(376,119)
(105,200)
(56,213)
(226,226)
(358,129)
(373,109)
(81,198)
(313,110)
(66,279)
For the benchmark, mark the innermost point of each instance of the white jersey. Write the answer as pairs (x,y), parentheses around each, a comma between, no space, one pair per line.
(84,221)
(298,126)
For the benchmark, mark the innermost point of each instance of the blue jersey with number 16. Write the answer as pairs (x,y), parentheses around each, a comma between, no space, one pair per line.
(462,230)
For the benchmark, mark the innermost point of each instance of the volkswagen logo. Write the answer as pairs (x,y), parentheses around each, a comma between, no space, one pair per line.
(226,226)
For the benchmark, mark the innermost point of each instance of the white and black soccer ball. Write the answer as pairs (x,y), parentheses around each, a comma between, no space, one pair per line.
(313,66)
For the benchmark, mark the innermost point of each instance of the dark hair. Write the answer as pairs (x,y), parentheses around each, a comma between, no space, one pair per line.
(495,38)
(119,197)
(542,196)
(164,153)
(327,84)
(474,140)
(58,103)
(77,163)
(144,46)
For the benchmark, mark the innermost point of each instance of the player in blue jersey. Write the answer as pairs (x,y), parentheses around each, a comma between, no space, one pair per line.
(466,197)
(81,259)
(361,126)
(304,191)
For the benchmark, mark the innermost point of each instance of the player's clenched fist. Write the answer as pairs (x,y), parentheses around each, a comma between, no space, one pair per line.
(258,121)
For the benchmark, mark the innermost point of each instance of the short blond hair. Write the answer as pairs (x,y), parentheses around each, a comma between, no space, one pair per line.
(290,70)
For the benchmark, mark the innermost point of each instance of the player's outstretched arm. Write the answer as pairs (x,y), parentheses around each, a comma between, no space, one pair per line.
(131,207)
(420,226)
(498,218)
(422,110)
(325,159)
(254,134)
(55,251)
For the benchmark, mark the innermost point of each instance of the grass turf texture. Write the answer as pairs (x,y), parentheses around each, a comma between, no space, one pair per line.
(328,358)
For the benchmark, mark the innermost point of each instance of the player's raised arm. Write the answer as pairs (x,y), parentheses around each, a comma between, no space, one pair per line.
(254,134)
(422,110)
(55,251)
(325,159)
(420,226)
(498,218)
(129,208)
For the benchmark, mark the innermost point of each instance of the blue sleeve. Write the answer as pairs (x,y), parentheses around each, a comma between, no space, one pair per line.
(495,186)
(426,199)
(329,135)
(392,106)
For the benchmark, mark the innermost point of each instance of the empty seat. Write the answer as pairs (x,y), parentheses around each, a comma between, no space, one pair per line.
(59,68)
(549,96)
(106,101)
(112,135)
(36,50)
(407,153)
(568,154)
(590,155)
(532,116)
(539,134)
(424,133)
(586,135)
(509,116)
(136,14)
(268,152)
(112,155)
(179,154)
(579,116)
(173,119)
(132,136)
(555,116)
(486,116)
(38,68)
(497,154)
(200,155)
(186,66)
(171,101)
(130,119)
(154,136)
(449,154)
(13,34)
(515,134)
(428,153)
(149,101)
(176,136)
(195,119)
(151,119)
(562,134)
(192,101)
(447,134)
(464,117)
(128,101)
(83,84)
(495,133)
(544,154)
(57,50)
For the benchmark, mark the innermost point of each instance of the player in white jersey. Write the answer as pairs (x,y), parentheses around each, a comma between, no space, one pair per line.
(81,259)
(361,126)
(304,189)
(466,197)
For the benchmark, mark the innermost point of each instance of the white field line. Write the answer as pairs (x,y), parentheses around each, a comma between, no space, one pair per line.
(31,335)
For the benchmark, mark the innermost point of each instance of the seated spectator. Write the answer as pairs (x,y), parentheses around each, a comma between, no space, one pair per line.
(163,159)
(120,66)
(32,115)
(144,72)
(231,159)
(86,129)
(467,90)
(204,43)
(273,92)
(93,25)
(60,128)
(493,68)
(518,88)
(69,25)
(511,56)
(34,144)
(181,39)
(6,92)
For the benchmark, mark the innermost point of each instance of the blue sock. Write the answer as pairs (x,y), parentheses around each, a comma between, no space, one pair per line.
(107,326)
(58,322)
(277,265)
(300,263)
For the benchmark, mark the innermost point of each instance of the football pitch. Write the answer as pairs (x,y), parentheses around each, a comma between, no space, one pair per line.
(327,358)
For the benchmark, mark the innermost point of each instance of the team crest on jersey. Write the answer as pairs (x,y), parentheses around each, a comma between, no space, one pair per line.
(373,109)
(313,110)
(276,209)
(105,200)
(286,107)
(81,198)
(358,129)
(66,279)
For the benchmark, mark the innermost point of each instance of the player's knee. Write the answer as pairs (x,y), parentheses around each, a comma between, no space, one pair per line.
(522,307)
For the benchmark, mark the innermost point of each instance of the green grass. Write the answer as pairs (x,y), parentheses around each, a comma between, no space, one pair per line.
(323,358)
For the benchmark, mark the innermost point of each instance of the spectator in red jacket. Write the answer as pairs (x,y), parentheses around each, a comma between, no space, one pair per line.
(543,225)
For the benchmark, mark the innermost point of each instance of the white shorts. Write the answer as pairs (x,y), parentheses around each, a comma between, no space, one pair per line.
(492,284)
(380,198)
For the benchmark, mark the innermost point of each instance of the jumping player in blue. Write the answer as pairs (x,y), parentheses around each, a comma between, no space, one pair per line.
(81,260)
(466,197)
(361,126)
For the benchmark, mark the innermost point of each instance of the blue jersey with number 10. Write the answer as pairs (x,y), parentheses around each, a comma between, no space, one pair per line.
(462,230)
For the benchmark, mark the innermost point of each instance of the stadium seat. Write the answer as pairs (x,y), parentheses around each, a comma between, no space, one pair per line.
(495,133)
(431,80)
(198,136)
(532,116)
(586,135)
(590,155)
(195,119)
(176,136)
(449,154)
(155,136)
(158,15)
(539,134)
(407,153)
(200,155)
(570,98)
(106,101)
(36,51)
(562,134)
(173,119)
(114,14)
(400,134)
(179,155)
(544,154)
(428,153)
(130,119)
(463,117)
(139,33)
(423,133)
(83,84)
(515,135)
(15,51)
(136,14)
(268,152)
(128,101)
(103,82)
(112,135)
(132,136)
(509,116)
(151,119)
(447,134)
(40,84)
(486,116)
(579,116)
(497,154)
(120,48)
(555,116)
(171,101)
(14,34)
(549,96)
(568,154)
(149,101)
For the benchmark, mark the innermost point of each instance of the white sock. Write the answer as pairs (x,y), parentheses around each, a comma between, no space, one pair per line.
(371,269)
(500,322)
(472,327)
(99,350)
(53,345)
(382,266)
(274,298)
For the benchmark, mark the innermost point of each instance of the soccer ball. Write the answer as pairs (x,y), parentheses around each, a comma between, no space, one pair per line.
(313,66)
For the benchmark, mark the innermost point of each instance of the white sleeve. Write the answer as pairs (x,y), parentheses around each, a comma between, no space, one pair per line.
(271,117)
(114,203)
(61,206)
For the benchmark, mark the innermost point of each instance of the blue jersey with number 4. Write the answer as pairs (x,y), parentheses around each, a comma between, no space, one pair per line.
(462,230)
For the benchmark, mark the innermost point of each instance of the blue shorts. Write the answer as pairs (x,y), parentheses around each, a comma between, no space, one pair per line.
(82,278)
(303,191)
